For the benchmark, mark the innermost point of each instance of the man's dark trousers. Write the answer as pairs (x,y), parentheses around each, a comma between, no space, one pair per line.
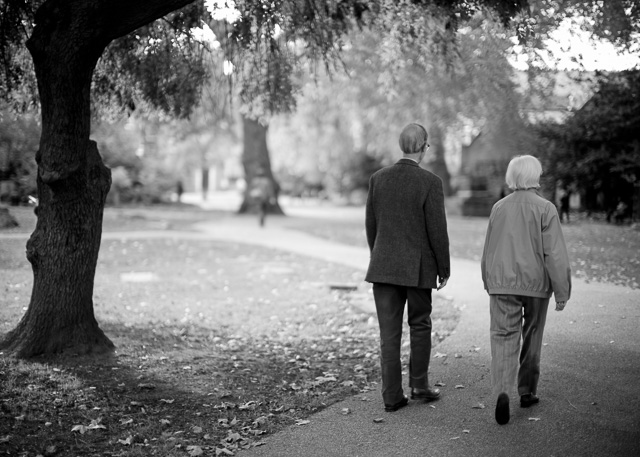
(390,300)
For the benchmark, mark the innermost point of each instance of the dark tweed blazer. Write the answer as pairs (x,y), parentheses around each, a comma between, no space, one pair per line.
(406,227)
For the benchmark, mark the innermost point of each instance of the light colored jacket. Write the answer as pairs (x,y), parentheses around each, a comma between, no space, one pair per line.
(524,250)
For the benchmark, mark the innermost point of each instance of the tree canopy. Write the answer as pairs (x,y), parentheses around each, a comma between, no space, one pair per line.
(597,150)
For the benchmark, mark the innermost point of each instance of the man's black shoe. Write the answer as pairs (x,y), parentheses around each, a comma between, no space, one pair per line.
(528,400)
(401,404)
(502,409)
(425,394)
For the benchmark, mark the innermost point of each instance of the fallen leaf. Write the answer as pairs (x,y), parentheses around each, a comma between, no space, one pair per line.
(146,386)
(234,437)
(196,429)
(259,421)
(165,421)
(125,421)
(167,401)
(95,424)
(302,422)
(127,442)
(479,406)
(79,428)
(454,438)
(223,451)
(346,411)
(248,405)
(465,431)
(459,386)
(195,450)
(534,419)
(458,356)
(432,406)
(439,355)
(378,420)
(440,384)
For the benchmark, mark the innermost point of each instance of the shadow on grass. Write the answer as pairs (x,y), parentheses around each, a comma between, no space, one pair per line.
(168,388)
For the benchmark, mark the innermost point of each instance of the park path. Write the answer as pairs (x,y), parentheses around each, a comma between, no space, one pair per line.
(590,404)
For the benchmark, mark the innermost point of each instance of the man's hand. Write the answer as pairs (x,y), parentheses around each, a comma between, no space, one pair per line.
(442,283)
(560,305)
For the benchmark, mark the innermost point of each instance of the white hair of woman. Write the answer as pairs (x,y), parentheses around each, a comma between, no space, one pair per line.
(524,172)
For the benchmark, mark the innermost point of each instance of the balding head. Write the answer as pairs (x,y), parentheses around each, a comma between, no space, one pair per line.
(413,139)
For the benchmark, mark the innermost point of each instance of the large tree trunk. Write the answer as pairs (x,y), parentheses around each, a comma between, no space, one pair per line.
(437,164)
(67,41)
(255,156)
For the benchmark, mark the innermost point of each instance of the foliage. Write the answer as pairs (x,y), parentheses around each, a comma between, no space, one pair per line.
(19,135)
(597,149)
(362,110)
(136,178)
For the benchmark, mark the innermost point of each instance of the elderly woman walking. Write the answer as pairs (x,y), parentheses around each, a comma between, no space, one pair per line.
(524,261)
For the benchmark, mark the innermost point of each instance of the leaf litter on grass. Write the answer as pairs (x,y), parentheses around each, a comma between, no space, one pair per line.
(258,359)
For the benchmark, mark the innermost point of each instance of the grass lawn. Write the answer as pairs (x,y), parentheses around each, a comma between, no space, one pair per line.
(217,345)
(598,251)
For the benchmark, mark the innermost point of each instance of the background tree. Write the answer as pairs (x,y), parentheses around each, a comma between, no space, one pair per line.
(66,42)
(596,152)
(384,86)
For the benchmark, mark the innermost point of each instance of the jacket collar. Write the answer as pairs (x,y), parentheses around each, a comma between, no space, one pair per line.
(405,161)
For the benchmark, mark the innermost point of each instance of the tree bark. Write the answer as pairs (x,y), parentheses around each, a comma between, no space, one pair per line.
(67,41)
(437,164)
(255,156)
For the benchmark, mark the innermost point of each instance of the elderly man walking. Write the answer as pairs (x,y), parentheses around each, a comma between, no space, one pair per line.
(407,235)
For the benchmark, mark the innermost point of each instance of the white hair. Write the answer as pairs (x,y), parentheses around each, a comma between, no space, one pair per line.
(523,172)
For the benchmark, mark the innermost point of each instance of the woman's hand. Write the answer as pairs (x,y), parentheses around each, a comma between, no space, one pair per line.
(560,305)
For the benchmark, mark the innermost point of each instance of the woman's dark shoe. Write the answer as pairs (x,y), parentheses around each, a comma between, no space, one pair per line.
(502,409)
(425,394)
(401,404)
(527,400)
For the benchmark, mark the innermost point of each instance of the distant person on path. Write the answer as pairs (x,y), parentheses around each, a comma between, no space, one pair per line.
(263,193)
(524,261)
(406,231)
(179,190)
(565,198)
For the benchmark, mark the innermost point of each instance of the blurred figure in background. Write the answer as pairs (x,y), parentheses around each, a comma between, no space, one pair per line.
(263,194)
(565,198)
(524,261)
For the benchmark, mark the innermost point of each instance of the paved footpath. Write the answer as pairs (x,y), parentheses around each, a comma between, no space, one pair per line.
(590,403)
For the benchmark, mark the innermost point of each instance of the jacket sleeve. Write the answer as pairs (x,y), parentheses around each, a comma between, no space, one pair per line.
(370,217)
(556,257)
(436,224)
(483,264)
